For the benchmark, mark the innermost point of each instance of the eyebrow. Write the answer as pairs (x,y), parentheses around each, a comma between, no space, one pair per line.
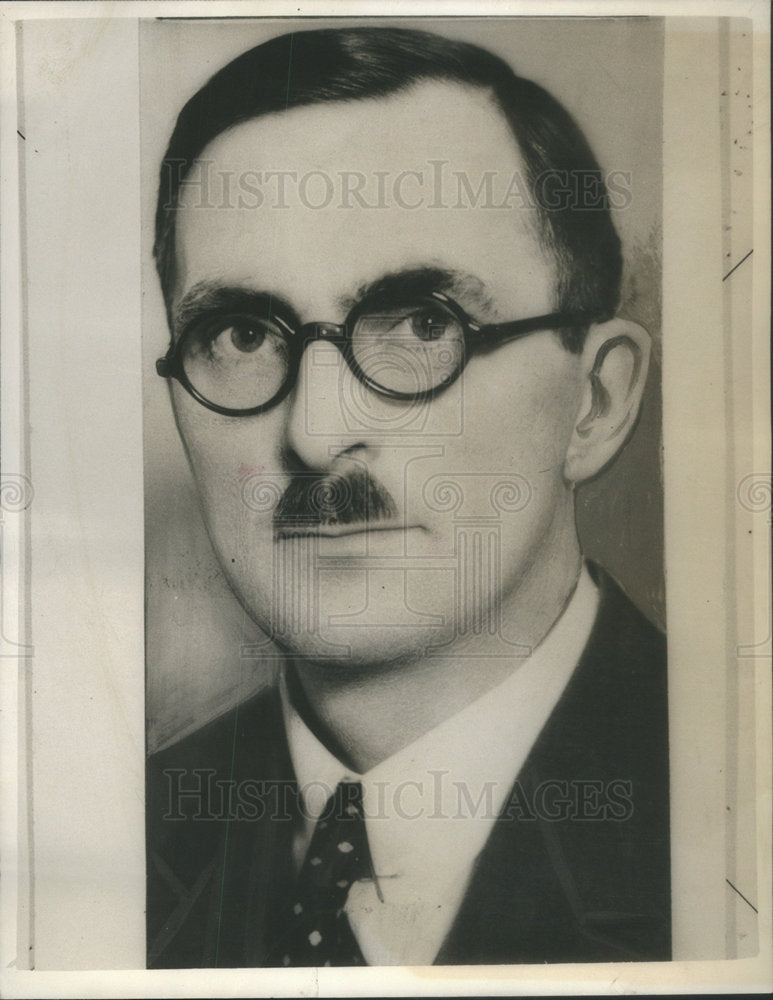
(423,280)
(211,298)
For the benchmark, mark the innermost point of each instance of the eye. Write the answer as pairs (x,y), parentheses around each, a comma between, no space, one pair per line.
(246,337)
(430,324)
(229,339)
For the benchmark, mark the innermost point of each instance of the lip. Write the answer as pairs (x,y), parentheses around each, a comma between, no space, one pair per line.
(341,530)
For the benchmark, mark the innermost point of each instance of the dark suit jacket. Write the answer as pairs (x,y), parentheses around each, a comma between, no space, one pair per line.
(575,870)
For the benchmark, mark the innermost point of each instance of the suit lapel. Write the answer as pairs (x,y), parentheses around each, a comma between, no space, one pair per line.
(257,874)
(576,868)
(220,878)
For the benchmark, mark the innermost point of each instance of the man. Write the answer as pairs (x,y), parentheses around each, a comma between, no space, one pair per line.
(464,759)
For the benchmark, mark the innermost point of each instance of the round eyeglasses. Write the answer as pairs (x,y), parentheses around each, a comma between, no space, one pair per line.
(241,364)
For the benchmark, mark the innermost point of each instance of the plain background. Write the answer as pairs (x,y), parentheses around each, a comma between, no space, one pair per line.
(608,72)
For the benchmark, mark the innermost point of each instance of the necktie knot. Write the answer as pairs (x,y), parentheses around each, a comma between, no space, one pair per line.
(338,853)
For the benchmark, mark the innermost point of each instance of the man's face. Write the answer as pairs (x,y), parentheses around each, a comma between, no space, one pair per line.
(457,549)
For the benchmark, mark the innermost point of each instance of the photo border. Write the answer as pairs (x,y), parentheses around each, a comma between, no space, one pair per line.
(725,395)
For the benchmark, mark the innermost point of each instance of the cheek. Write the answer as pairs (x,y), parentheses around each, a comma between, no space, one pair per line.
(504,472)
(235,463)
(517,419)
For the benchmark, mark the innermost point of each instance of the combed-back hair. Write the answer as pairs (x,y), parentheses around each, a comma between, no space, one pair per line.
(344,64)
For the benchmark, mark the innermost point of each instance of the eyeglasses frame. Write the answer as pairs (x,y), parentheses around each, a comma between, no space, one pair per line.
(340,335)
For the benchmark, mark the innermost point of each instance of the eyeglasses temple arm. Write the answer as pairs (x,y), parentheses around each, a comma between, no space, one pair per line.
(502,332)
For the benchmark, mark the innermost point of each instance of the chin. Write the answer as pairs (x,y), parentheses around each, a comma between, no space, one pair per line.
(353,617)
(359,650)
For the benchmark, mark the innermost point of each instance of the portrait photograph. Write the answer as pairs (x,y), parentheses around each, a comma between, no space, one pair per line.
(391,490)
(386,493)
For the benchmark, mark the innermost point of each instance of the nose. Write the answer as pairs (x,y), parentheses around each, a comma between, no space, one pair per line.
(316,429)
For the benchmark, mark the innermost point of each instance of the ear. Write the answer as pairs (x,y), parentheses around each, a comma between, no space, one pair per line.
(615,359)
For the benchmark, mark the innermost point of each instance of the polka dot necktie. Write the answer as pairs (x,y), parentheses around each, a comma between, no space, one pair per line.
(319,933)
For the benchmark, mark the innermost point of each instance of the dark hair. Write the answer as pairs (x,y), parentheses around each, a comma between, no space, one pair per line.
(340,64)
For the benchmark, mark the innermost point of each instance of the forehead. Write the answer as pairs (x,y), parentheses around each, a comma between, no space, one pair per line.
(315,202)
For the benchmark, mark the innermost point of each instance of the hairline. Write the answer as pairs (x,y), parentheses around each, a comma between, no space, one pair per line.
(536,222)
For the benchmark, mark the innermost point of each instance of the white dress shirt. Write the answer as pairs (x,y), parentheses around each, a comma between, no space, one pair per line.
(430,807)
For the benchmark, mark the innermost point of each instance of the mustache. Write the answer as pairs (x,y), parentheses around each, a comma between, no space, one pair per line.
(327,499)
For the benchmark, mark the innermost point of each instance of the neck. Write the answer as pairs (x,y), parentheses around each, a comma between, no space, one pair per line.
(366,716)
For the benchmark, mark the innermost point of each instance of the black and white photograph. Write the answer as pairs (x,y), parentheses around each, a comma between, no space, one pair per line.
(399,350)
(390,535)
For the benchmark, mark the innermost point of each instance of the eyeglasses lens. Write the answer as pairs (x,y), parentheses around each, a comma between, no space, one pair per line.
(239,364)
(409,349)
